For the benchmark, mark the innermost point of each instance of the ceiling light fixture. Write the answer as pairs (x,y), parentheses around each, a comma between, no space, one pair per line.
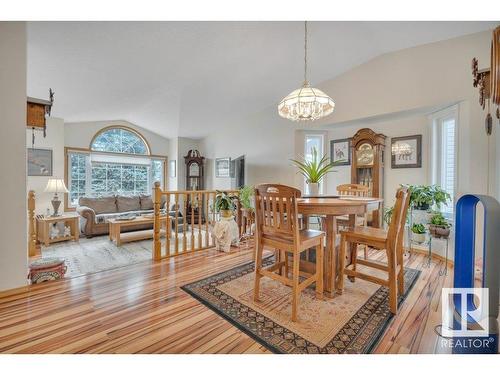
(306,103)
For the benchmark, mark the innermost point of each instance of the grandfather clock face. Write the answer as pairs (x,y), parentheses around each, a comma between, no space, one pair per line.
(194,170)
(365,154)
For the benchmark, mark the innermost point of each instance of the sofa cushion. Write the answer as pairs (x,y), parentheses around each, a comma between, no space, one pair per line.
(102,205)
(146,202)
(132,203)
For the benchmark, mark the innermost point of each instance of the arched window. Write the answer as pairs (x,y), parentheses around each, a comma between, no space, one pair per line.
(119,140)
(119,162)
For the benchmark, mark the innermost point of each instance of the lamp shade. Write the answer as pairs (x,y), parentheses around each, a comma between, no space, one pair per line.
(306,104)
(56,185)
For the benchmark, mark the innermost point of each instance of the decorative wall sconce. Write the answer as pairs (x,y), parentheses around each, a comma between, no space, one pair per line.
(488,82)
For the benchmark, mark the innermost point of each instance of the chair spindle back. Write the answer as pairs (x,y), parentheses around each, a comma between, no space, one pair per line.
(276,211)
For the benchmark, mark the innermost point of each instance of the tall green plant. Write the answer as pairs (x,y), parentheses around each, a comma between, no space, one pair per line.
(315,169)
(246,196)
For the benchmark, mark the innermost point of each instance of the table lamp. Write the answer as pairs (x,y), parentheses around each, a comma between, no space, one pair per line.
(56,185)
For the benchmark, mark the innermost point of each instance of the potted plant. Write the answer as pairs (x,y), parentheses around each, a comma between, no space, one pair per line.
(423,197)
(388,215)
(418,232)
(439,227)
(314,170)
(246,196)
(224,203)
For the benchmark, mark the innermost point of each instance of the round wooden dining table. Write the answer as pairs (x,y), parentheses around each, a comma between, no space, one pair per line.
(330,209)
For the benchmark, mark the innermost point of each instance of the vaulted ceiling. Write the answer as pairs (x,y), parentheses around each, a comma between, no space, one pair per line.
(185,78)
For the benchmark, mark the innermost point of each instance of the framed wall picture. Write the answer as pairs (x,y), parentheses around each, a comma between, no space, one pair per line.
(172,169)
(223,167)
(340,151)
(39,162)
(406,152)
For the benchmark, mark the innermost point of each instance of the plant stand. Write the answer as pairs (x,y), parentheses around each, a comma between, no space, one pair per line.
(444,271)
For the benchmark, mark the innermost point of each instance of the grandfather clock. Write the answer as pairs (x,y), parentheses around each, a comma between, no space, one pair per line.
(194,170)
(194,181)
(368,150)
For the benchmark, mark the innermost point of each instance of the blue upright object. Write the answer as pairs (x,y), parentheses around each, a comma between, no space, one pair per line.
(465,238)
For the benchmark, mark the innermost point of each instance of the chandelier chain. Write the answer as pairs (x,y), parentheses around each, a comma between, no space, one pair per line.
(305,52)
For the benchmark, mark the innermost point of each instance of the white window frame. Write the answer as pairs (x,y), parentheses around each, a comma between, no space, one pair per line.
(322,136)
(436,120)
(117,157)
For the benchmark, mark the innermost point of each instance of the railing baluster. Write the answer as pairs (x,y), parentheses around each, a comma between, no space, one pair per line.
(207,219)
(168,231)
(192,220)
(184,230)
(156,223)
(176,234)
(200,208)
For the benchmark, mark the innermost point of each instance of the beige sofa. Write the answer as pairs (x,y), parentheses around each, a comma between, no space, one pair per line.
(95,212)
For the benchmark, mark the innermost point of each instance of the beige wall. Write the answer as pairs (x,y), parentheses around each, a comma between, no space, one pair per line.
(13,231)
(394,85)
(430,76)
(405,125)
(55,142)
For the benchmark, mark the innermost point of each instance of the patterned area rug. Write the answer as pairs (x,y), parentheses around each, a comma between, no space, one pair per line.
(350,323)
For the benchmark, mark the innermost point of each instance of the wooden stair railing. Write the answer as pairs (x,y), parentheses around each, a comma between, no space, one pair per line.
(31,224)
(187,227)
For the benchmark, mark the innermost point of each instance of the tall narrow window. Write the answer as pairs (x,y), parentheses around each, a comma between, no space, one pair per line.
(444,155)
(314,141)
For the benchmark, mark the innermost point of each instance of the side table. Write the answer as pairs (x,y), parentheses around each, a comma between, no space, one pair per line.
(45,223)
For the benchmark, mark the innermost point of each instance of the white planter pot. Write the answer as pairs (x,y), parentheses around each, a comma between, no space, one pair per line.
(313,188)
(418,237)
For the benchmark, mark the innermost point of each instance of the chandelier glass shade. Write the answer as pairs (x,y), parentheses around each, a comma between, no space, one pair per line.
(306,103)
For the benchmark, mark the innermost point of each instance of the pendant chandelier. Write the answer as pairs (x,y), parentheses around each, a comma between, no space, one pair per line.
(306,103)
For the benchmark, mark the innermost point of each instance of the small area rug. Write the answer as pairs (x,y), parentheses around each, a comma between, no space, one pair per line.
(98,254)
(350,323)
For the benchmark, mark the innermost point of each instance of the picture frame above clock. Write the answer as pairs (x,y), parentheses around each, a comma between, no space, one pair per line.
(340,151)
(406,152)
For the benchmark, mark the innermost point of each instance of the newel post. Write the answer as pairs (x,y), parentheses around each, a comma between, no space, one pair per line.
(156,227)
(31,225)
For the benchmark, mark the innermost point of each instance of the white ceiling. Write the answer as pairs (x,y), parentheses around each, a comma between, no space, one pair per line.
(185,78)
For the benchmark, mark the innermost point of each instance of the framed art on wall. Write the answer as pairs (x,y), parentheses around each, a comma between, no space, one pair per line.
(39,162)
(406,152)
(223,167)
(340,151)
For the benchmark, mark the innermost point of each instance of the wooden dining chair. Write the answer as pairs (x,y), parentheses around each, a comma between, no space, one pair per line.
(391,241)
(277,227)
(356,190)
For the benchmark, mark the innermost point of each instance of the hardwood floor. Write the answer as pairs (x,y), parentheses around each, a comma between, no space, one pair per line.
(141,309)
